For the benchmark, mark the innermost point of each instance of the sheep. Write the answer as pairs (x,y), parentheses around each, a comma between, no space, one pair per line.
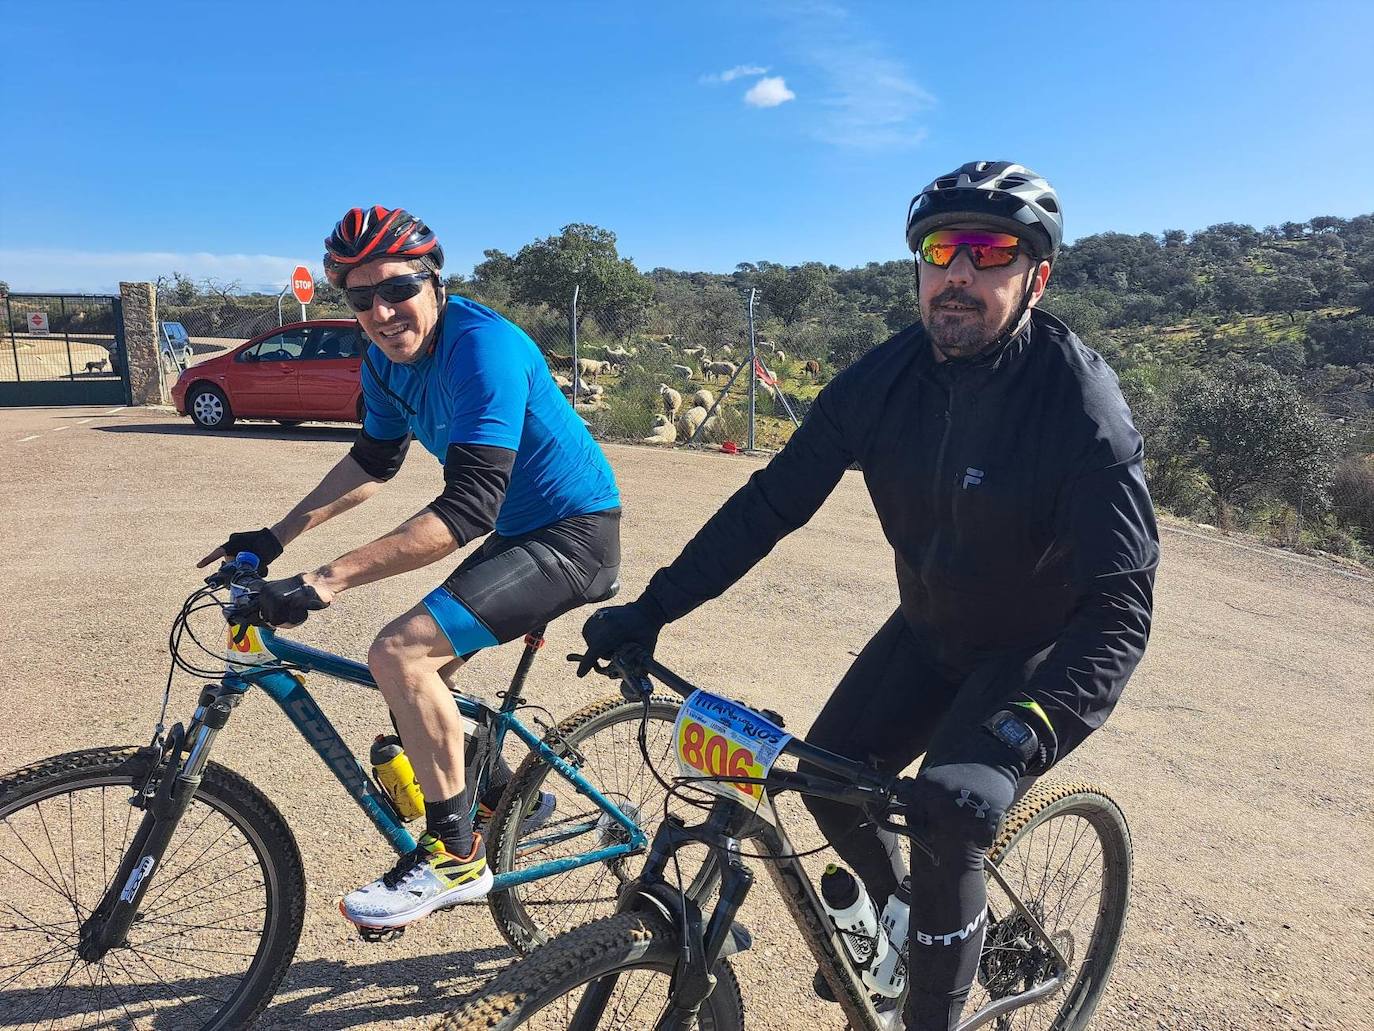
(726,349)
(558,361)
(619,352)
(813,368)
(590,367)
(664,431)
(683,371)
(725,369)
(704,399)
(780,356)
(584,389)
(672,400)
(689,420)
(694,352)
(563,382)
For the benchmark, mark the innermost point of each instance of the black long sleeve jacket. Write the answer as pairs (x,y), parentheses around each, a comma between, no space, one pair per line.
(1011,490)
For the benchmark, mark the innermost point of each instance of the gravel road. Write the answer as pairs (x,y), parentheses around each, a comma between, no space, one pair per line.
(1240,751)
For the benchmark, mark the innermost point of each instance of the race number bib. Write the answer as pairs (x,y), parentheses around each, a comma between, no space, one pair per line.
(720,738)
(244,648)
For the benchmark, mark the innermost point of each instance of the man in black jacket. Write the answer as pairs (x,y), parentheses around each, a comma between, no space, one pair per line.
(1006,475)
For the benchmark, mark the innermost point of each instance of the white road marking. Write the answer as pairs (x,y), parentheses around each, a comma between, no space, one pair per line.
(80,422)
(61,428)
(113,410)
(25,440)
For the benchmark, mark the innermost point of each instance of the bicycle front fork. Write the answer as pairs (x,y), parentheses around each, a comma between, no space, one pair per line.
(172,784)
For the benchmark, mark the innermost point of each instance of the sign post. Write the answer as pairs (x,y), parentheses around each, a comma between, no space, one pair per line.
(303,286)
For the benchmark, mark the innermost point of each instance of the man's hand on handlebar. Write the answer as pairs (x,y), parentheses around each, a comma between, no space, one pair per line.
(278,603)
(613,627)
(262,543)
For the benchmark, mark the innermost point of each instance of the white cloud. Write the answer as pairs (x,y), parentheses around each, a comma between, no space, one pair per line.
(731,74)
(868,100)
(37,270)
(769,92)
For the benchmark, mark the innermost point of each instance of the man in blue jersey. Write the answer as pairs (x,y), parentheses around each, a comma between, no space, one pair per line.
(517,460)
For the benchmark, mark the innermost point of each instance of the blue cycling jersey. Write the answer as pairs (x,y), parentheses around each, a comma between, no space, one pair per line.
(485,382)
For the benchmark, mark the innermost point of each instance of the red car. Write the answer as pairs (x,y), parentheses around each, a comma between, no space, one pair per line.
(305,370)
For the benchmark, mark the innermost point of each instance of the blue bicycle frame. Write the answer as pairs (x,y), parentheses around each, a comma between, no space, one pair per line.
(288,690)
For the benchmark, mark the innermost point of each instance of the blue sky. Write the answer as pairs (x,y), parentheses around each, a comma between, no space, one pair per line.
(226,139)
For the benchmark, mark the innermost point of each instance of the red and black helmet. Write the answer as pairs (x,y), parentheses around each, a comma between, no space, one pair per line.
(379,234)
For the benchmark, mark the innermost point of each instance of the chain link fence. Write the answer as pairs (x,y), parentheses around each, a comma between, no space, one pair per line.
(681,378)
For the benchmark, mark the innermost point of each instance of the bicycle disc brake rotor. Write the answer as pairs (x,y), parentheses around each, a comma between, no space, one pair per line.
(1015,958)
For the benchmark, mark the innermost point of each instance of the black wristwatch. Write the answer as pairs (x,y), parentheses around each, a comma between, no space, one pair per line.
(1014,732)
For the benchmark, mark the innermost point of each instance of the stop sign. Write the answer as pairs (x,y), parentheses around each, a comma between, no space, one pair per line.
(303,284)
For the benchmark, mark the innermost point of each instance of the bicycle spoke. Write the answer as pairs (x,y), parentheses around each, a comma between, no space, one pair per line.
(51,884)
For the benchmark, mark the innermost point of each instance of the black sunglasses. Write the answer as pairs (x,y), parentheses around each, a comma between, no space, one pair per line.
(393,290)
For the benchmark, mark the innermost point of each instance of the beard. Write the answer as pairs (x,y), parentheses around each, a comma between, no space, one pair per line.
(963,335)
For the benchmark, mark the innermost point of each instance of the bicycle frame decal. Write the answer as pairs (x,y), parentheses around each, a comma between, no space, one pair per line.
(290,693)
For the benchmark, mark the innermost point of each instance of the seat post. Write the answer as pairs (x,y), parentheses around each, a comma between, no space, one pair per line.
(534,640)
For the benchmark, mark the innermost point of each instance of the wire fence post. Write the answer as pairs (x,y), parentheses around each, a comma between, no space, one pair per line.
(279,300)
(576,371)
(753,371)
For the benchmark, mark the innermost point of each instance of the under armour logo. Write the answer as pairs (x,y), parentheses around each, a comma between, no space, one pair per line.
(979,807)
(972,477)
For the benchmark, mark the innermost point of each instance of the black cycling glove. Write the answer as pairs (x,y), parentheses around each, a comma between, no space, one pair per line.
(288,602)
(262,543)
(608,629)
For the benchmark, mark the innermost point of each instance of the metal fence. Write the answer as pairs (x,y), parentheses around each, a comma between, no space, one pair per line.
(683,382)
(62,349)
(680,380)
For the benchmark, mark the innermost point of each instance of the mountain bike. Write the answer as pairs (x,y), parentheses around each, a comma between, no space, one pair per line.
(1058,878)
(151,887)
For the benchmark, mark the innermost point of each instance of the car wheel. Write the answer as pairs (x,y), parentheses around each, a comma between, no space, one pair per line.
(289,422)
(209,409)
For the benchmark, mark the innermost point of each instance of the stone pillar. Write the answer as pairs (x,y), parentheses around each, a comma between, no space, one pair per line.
(140,344)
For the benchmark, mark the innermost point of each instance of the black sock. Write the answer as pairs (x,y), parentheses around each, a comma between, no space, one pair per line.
(451,822)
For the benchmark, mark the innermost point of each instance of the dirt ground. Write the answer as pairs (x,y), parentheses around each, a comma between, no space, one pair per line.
(1240,751)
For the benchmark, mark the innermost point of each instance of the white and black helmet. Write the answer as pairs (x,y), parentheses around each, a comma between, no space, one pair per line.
(998,193)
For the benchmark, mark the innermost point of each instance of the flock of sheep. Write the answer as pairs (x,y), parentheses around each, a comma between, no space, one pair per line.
(681,414)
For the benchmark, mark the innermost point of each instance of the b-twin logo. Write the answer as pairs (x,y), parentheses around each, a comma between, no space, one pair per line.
(962,934)
(972,477)
(979,807)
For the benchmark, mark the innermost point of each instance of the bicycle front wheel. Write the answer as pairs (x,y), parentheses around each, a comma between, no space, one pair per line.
(614,973)
(1066,852)
(214,933)
(604,738)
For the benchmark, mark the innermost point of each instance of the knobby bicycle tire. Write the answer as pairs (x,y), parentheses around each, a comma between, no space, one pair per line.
(1072,1009)
(625,945)
(45,894)
(530,914)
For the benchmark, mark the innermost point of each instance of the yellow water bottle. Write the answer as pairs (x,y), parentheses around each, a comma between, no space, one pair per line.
(394,773)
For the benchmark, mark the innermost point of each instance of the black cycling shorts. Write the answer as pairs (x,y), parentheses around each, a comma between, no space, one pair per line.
(512,585)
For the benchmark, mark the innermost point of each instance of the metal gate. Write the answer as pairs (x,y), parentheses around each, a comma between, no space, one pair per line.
(63,349)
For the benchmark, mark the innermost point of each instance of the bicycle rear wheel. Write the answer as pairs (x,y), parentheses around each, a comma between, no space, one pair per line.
(606,735)
(1065,850)
(214,934)
(631,959)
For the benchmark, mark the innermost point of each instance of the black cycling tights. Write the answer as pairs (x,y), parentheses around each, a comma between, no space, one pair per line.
(893,705)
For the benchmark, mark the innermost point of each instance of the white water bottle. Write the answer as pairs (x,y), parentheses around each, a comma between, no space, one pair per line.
(851,911)
(887,977)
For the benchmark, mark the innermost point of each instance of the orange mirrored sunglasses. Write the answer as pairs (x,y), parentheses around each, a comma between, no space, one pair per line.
(986,250)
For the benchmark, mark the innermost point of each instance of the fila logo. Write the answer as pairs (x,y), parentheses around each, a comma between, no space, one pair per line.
(972,477)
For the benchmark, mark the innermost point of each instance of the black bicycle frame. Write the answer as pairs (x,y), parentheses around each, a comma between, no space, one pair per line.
(730,823)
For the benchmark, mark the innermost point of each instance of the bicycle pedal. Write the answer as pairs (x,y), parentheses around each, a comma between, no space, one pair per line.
(376,935)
